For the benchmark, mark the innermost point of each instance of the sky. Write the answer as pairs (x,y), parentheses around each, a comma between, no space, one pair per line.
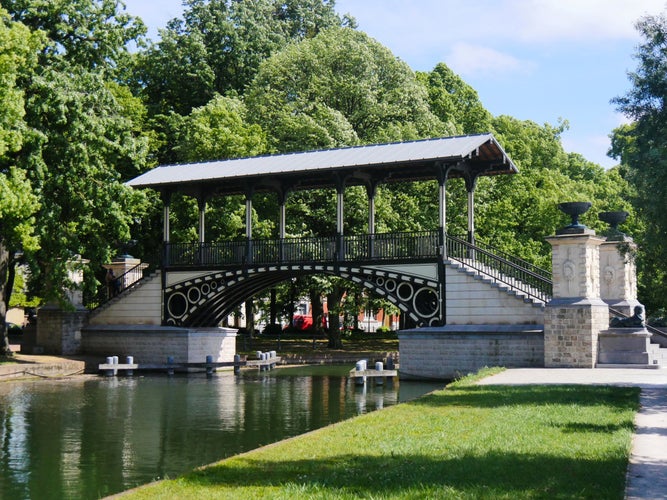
(538,60)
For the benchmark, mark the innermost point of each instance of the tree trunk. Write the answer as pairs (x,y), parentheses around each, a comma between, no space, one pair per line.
(333,300)
(5,350)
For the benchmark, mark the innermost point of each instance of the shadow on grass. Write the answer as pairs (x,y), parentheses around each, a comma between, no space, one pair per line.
(494,396)
(491,475)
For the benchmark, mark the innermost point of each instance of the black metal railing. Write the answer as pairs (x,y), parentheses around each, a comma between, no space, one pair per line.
(394,246)
(125,281)
(244,252)
(502,267)
(391,246)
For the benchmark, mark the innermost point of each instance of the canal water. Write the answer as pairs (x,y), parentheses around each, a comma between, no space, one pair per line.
(89,437)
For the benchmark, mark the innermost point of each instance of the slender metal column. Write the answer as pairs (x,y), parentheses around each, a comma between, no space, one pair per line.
(371,191)
(282,219)
(471,217)
(441,175)
(248,216)
(339,210)
(248,225)
(201,202)
(166,198)
(471,182)
(340,217)
(442,191)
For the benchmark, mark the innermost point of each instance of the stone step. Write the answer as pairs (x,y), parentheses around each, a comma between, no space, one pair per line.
(624,365)
(506,287)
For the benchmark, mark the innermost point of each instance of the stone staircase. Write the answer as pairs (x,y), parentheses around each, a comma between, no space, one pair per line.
(125,293)
(508,284)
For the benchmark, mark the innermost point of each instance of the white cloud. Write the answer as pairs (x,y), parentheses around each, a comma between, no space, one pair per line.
(576,20)
(468,60)
(411,27)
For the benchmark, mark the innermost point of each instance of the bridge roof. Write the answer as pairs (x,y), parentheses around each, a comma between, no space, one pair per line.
(394,162)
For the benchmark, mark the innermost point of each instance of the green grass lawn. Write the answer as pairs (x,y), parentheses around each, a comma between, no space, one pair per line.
(466,441)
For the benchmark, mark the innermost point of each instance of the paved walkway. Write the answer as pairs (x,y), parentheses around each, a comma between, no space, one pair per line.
(647,471)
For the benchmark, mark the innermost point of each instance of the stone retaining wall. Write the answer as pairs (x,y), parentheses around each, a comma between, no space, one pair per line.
(450,351)
(41,370)
(154,344)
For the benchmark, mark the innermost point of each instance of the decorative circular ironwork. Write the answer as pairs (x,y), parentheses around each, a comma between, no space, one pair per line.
(412,294)
(426,302)
(194,295)
(405,291)
(177,305)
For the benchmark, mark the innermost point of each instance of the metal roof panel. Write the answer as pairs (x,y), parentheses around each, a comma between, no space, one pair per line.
(371,157)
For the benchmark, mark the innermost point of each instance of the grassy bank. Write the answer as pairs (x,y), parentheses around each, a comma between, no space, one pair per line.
(465,441)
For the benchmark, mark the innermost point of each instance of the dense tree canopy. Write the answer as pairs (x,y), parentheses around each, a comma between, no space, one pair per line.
(642,148)
(454,101)
(340,88)
(76,135)
(93,34)
(18,201)
(222,43)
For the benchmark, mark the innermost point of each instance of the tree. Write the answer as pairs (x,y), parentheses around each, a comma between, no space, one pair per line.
(517,212)
(94,34)
(81,135)
(219,130)
(642,148)
(18,201)
(454,101)
(222,44)
(339,88)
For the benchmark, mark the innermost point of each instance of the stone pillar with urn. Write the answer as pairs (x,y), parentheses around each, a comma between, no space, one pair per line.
(576,314)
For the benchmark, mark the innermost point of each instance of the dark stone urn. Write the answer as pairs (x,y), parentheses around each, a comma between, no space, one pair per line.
(614,219)
(574,209)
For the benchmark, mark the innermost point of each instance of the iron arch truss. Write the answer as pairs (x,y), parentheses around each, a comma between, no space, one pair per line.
(206,299)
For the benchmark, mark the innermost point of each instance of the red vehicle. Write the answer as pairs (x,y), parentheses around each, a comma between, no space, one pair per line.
(302,321)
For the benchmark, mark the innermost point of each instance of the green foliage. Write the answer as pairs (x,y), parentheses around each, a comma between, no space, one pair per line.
(18,48)
(82,134)
(18,205)
(339,88)
(219,130)
(166,90)
(89,33)
(222,44)
(454,101)
(516,213)
(642,149)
